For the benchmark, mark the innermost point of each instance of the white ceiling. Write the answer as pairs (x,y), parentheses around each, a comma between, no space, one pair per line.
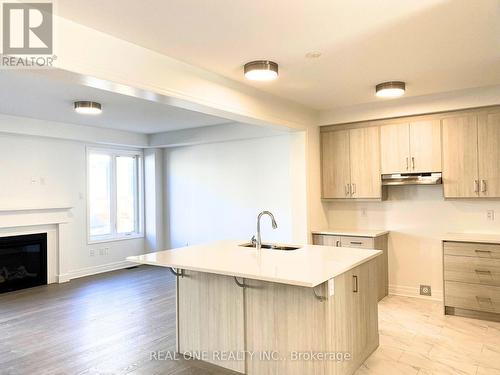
(433,45)
(33,95)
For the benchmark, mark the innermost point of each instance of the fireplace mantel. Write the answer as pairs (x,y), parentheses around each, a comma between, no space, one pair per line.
(11,217)
(50,219)
(34,208)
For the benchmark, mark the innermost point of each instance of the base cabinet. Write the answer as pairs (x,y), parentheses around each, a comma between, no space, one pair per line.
(472,279)
(378,243)
(277,327)
(205,328)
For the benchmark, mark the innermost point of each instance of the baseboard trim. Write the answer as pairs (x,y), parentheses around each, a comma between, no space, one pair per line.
(414,291)
(89,271)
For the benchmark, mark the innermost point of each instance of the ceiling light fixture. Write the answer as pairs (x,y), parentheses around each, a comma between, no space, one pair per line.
(391,89)
(87,107)
(261,70)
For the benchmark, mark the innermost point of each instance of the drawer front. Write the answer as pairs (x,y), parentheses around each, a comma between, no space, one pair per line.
(470,249)
(326,240)
(472,296)
(359,242)
(472,270)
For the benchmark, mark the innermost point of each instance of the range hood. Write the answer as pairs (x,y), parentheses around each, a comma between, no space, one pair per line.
(411,179)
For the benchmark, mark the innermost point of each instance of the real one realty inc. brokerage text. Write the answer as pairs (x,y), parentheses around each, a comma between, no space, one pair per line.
(227,355)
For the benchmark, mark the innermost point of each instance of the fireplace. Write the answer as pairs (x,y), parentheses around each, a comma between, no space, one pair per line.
(23,261)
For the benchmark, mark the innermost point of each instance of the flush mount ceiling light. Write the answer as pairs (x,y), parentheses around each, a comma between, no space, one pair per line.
(391,89)
(87,107)
(261,70)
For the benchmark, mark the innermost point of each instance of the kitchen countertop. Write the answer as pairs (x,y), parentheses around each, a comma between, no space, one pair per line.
(473,237)
(352,232)
(309,266)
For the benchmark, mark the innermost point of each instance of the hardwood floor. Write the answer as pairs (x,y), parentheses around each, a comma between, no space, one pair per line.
(105,324)
(108,324)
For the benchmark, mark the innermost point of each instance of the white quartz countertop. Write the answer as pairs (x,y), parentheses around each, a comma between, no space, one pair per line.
(352,232)
(309,266)
(473,237)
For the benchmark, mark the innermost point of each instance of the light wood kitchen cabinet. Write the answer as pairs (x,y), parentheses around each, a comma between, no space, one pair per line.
(204,328)
(472,279)
(351,164)
(355,302)
(335,164)
(378,242)
(489,154)
(471,157)
(364,154)
(425,146)
(411,147)
(395,146)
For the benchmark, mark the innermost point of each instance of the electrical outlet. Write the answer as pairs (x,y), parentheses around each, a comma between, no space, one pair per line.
(425,290)
(490,215)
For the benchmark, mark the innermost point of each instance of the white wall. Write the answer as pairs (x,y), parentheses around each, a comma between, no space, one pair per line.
(417,217)
(57,168)
(215,191)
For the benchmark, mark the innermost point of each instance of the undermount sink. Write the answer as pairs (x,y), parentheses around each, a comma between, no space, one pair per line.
(272,247)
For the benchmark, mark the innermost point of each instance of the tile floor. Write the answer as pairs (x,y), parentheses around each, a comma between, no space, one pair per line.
(416,338)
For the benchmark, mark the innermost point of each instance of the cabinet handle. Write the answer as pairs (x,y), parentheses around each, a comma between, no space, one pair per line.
(354,283)
(483,251)
(483,299)
(346,189)
(354,188)
(407,165)
(476,186)
(337,243)
(356,243)
(413,163)
(483,186)
(483,272)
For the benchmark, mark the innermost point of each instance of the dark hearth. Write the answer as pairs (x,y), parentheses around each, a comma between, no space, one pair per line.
(23,261)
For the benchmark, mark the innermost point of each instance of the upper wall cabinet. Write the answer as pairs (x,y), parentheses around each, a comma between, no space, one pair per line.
(471,156)
(351,164)
(411,147)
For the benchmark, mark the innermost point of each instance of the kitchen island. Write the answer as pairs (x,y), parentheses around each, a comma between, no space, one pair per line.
(307,311)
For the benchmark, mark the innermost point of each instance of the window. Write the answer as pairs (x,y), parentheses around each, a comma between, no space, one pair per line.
(114,194)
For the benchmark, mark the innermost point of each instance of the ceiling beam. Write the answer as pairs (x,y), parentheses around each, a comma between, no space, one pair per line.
(103,61)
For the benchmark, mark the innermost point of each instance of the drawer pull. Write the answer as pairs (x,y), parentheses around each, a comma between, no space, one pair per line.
(483,251)
(483,299)
(355,283)
(483,272)
(337,243)
(356,243)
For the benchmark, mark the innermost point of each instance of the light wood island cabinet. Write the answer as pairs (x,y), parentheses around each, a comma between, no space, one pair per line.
(312,310)
(362,240)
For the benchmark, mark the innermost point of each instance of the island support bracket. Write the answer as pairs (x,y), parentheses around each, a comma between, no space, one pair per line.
(176,273)
(241,285)
(319,298)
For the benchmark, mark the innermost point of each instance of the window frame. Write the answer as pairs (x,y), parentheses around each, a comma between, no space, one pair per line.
(139,211)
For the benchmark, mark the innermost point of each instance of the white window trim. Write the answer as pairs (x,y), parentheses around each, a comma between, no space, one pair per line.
(139,232)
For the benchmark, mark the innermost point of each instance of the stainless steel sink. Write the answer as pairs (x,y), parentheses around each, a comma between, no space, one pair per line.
(271,247)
